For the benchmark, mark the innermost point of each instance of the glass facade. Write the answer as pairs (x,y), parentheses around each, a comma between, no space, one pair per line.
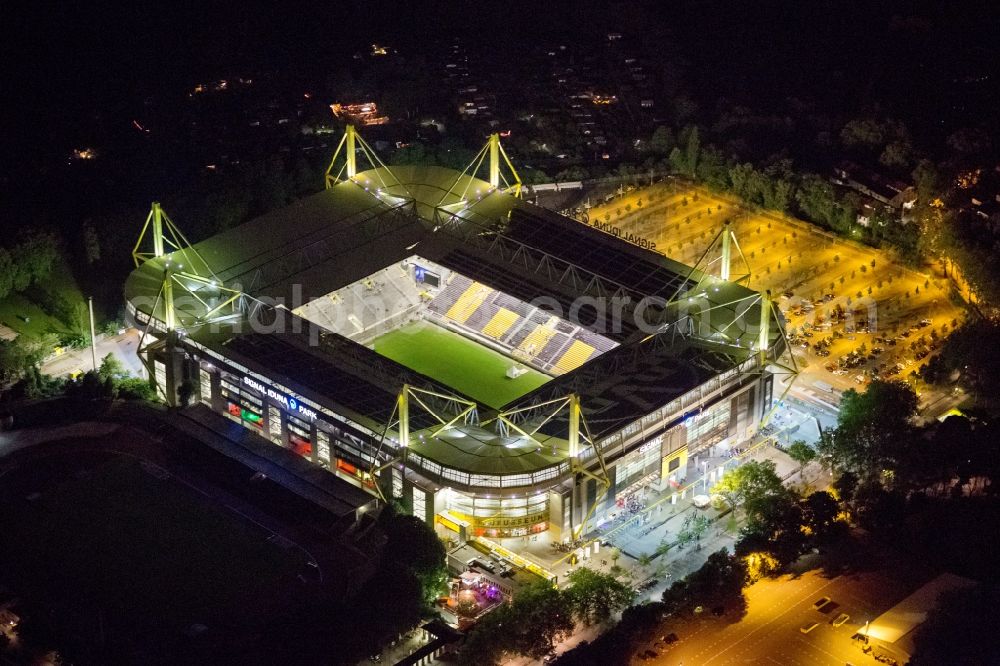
(712,423)
(338,444)
(501,517)
(419,503)
(205,386)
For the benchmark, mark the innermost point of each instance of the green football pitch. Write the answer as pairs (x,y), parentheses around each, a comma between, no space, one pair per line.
(466,366)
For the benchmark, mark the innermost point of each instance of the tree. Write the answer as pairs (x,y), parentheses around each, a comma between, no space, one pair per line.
(820,511)
(538,615)
(91,244)
(676,161)
(845,486)
(962,629)
(413,546)
(6,272)
(749,484)
(927,180)
(713,168)
(112,368)
(781,193)
(594,597)
(969,140)
(36,253)
(863,132)
(413,153)
(801,453)
(719,582)
(488,642)
(970,353)
(692,528)
(739,176)
(135,388)
(775,529)
(896,154)
(17,356)
(543,616)
(692,149)
(873,429)
(816,199)
(662,141)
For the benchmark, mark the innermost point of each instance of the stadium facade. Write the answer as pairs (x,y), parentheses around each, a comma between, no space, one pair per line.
(428,335)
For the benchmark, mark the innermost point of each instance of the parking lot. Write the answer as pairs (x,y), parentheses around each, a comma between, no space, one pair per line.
(771,632)
(843,295)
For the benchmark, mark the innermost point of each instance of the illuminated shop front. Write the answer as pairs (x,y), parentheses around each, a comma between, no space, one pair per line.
(494,516)
(288,421)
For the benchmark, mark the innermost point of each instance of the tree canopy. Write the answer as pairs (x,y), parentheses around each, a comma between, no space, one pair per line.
(538,615)
(594,596)
(961,630)
(873,430)
(801,453)
(749,485)
(719,582)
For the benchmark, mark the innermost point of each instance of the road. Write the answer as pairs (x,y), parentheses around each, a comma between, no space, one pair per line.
(74,361)
(770,632)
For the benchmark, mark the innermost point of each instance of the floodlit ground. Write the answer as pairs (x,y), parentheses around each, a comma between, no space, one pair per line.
(455,361)
(770,632)
(788,255)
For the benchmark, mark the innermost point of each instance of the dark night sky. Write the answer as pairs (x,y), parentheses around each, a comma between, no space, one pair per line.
(65,67)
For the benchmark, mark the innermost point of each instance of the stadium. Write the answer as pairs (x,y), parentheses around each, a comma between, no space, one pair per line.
(427,335)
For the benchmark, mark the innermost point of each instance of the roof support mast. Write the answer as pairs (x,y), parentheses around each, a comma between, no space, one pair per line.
(352,157)
(574,426)
(350,143)
(157,215)
(764,341)
(169,316)
(726,250)
(403,410)
(494,160)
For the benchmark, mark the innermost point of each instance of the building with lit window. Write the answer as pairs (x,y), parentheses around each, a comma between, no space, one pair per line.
(495,367)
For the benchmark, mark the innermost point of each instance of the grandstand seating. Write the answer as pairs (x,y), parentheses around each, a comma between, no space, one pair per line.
(578,353)
(468,302)
(390,298)
(539,336)
(500,323)
(453,289)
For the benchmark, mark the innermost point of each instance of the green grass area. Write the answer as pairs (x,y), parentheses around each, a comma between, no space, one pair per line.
(114,535)
(15,308)
(464,365)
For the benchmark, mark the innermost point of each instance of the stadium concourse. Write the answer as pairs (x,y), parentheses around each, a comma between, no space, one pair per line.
(494,367)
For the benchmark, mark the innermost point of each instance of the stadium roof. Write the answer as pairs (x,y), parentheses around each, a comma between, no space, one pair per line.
(355,228)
